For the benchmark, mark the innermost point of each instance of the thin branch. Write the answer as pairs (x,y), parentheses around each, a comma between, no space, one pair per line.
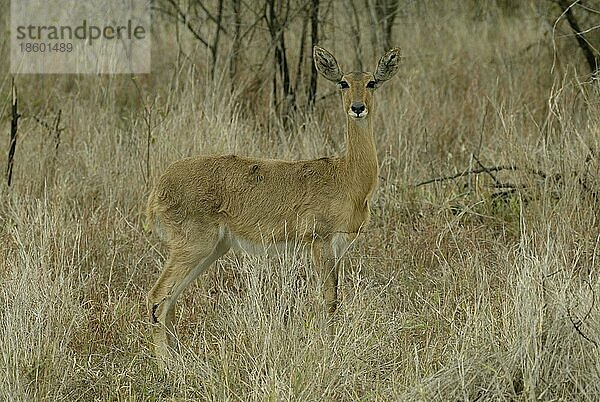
(217,19)
(147,117)
(55,129)
(183,17)
(588,53)
(486,170)
(578,323)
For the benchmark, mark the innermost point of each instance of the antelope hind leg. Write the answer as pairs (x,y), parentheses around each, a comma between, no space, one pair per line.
(181,269)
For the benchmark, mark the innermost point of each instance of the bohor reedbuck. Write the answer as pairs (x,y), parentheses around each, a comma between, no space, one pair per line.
(204,205)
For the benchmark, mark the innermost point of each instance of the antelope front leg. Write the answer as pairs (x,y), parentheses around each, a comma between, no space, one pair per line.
(324,259)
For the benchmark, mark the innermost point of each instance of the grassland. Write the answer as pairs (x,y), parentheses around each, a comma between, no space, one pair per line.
(458,290)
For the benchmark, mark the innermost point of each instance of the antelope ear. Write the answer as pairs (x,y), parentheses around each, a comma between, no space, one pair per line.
(326,64)
(388,65)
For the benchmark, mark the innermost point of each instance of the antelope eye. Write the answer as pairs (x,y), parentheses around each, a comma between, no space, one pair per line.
(343,85)
(372,84)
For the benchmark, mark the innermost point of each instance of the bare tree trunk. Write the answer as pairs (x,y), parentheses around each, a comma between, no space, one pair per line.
(236,46)
(375,31)
(350,7)
(389,9)
(215,45)
(314,39)
(13,133)
(299,68)
(275,97)
(289,101)
(276,29)
(383,13)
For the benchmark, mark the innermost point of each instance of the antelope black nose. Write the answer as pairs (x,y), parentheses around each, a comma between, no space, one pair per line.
(358,107)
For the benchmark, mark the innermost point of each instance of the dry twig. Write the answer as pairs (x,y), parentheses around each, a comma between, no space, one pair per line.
(13,133)
(482,169)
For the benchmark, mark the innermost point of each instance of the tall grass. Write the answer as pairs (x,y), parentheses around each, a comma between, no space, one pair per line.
(456,291)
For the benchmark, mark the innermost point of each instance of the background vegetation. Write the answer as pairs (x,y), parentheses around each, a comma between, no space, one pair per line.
(483,287)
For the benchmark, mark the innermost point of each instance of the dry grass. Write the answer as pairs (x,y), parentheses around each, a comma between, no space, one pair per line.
(452,293)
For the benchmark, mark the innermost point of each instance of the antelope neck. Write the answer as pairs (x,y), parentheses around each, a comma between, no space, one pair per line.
(361,155)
